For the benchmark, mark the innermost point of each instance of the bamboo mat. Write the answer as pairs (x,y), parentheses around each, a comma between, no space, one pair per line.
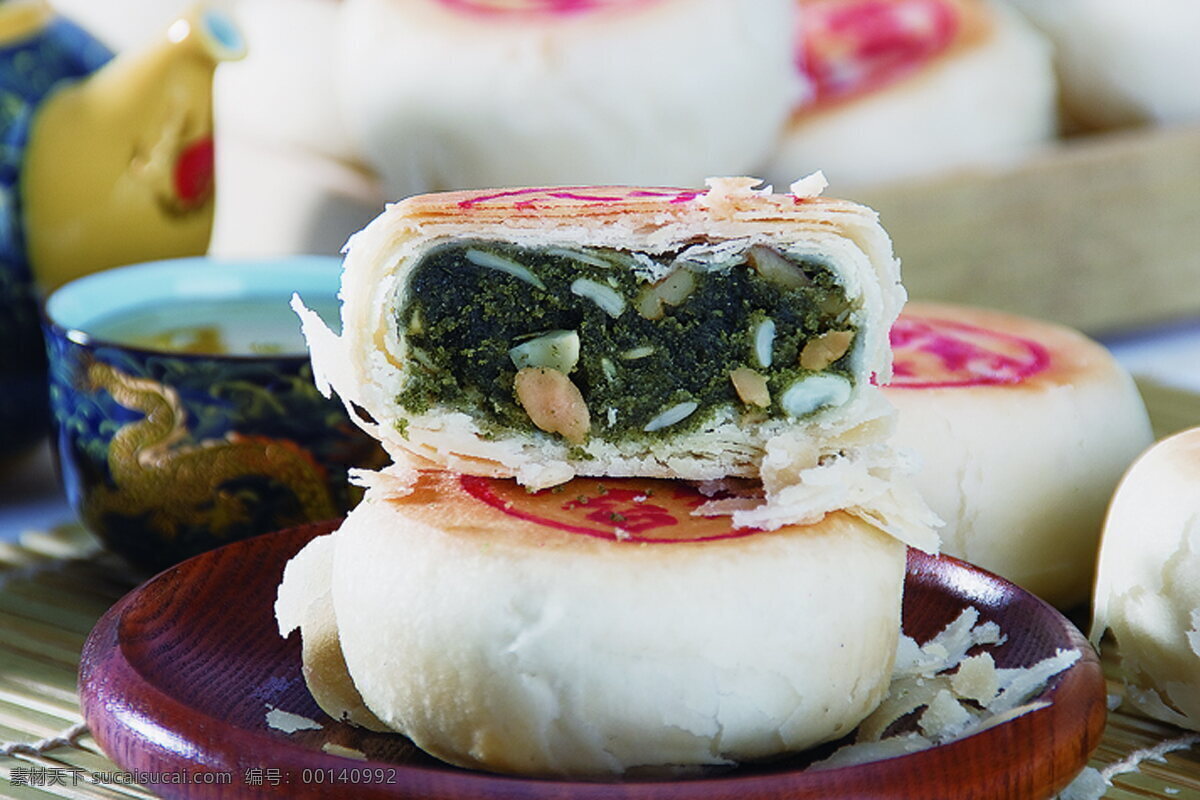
(55,585)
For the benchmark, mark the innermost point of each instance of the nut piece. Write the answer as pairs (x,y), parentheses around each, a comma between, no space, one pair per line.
(676,287)
(671,290)
(813,393)
(634,353)
(483,258)
(557,350)
(649,305)
(775,268)
(764,342)
(676,413)
(825,349)
(553,403)
(603,296)
(751,387)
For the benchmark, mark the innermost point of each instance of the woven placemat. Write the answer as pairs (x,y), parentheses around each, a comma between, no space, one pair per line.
(55,585)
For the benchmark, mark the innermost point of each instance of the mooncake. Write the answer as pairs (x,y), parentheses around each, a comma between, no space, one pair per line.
(464,94)
(600,629)
(1122,63)
(281,141)
(899,89)
(1147,593)
(304,602)
(544,333)
(1023,429)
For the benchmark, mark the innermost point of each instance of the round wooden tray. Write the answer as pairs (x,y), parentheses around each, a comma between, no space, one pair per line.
(178,677)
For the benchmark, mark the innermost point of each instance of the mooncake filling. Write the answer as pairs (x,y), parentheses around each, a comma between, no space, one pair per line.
(587,341)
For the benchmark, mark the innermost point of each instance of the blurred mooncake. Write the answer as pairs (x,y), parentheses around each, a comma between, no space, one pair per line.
(1122,63)
(906,88)
(1147,593)
(461,94)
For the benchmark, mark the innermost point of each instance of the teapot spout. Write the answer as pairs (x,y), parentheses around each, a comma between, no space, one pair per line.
(120,165)
(208,31)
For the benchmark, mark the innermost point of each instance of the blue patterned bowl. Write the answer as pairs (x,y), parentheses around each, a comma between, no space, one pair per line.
(165,454)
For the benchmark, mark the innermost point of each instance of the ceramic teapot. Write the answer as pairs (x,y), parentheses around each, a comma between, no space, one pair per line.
(103,161)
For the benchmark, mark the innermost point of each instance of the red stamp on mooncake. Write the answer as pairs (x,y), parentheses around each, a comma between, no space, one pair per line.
(851,47)
(532,197)
(936,353)
(534,8)
(622,509)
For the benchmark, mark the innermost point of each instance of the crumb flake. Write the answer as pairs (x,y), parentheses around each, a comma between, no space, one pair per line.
(809,186)
(287,722)
(950,693)
(345,752)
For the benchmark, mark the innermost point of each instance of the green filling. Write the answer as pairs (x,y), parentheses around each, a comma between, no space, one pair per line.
(462,319)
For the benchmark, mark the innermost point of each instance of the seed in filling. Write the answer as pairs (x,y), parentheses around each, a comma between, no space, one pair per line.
(825,349)
(589,341)
(553,403)
(751,387)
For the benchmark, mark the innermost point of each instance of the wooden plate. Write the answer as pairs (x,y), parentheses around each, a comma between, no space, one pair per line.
(178,678)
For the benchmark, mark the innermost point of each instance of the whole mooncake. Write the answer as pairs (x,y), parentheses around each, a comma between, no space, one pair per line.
(457,94)
(1147,596)
(1023,428)
(596,631)
(900,89)
(1120,63)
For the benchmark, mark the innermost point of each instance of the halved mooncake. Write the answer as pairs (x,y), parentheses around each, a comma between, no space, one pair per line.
(543,333)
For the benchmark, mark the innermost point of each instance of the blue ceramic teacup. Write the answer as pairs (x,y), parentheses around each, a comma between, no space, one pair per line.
(166,453)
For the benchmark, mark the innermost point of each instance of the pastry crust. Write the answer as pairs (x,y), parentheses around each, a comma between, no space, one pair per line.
(368,364)
(305,603)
